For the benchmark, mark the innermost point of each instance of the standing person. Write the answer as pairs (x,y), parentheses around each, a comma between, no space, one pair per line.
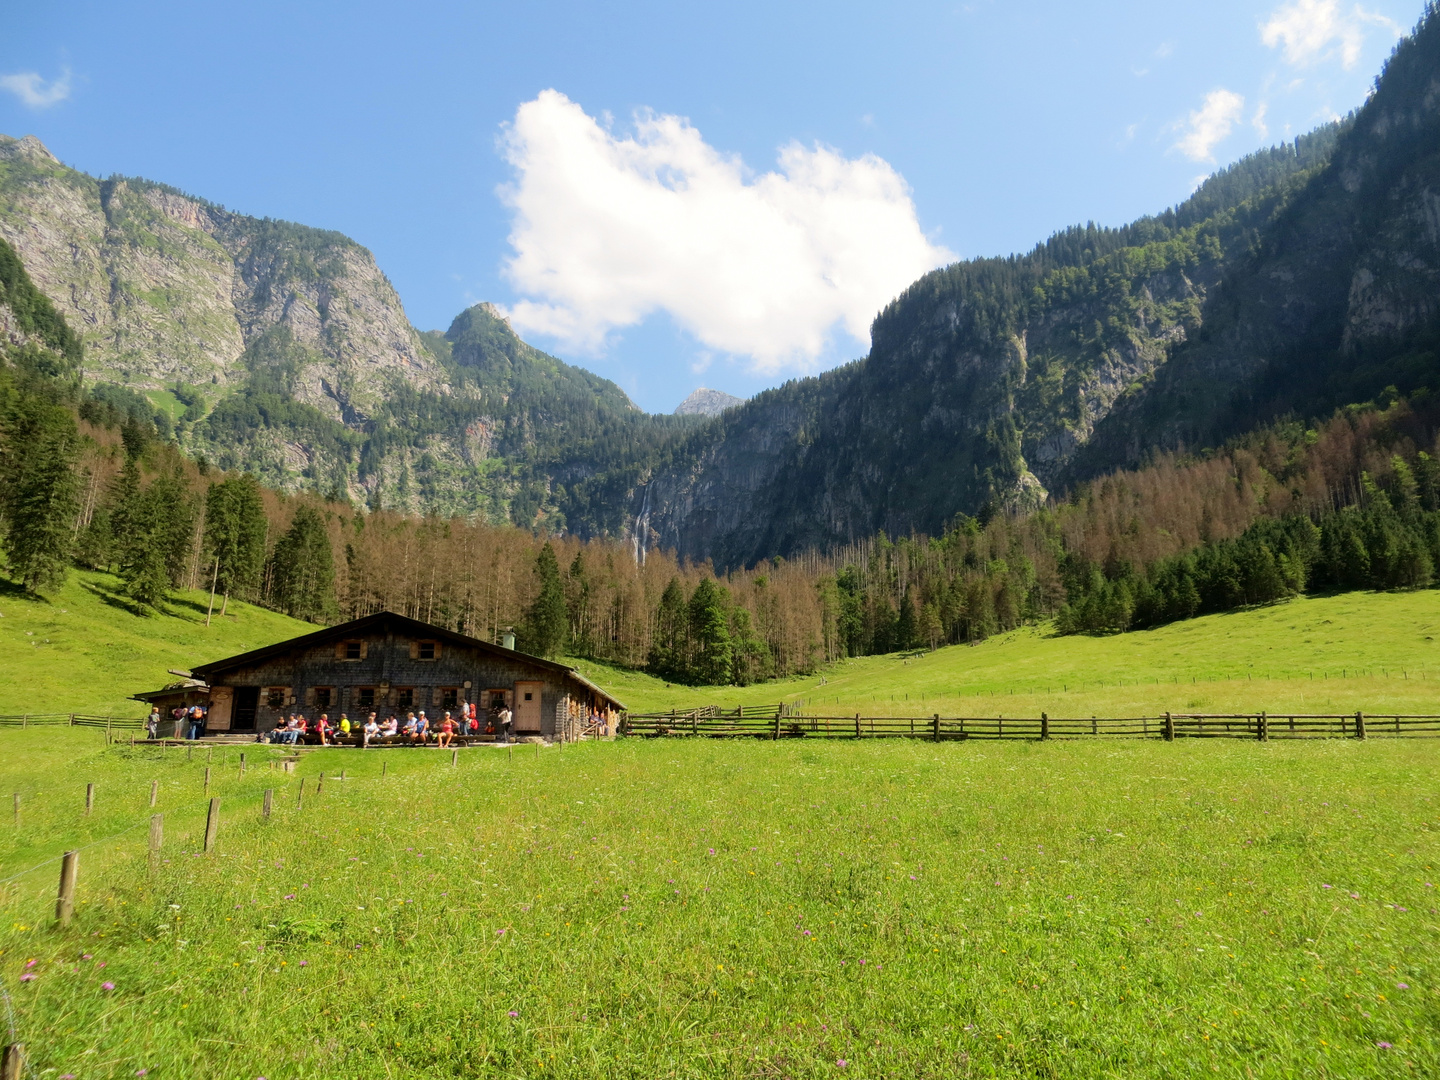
(506,719)
(197,721)
(152,723)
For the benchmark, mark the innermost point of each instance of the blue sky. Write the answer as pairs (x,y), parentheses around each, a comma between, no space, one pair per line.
(612,174)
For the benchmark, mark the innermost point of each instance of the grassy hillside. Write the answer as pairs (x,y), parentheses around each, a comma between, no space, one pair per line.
(1370,651)
(86,650)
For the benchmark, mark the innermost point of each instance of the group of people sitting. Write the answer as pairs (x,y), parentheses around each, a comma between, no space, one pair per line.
(415,729)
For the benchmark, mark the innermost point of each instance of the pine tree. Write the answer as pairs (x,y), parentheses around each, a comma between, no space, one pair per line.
(710,634)
(39,493)
(143,559)
(906,628)
(547,622)
(235,529)
(302,578)
(668,649)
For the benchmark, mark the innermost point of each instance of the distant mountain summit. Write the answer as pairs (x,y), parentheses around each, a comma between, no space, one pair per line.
(706,402)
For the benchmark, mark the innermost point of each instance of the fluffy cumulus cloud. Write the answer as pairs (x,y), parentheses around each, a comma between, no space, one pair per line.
(35,91)
(1311,30)
(1211,124)
(608,229)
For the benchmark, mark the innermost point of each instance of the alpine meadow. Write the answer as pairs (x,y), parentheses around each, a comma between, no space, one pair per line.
(1052,691)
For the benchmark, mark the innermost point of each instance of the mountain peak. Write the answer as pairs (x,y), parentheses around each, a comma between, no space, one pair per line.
(707,402)
(29,147)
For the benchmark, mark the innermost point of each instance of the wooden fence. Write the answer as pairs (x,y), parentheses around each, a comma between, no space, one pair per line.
(780,722)
(109,723)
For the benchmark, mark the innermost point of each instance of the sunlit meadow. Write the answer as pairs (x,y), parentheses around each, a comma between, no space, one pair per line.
(751,909)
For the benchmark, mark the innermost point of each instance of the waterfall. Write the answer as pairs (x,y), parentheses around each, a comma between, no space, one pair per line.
(642,528)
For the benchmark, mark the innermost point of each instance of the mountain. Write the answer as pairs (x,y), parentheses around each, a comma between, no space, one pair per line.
(707,402)
(1298,280)
(282,349)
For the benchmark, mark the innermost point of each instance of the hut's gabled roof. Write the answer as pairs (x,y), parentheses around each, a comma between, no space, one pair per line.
(402,625)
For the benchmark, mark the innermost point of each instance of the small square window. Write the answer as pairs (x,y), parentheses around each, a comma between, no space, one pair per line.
(529,696)
(365,697)
(427,650)
(405,697)
(449,698)
(275,697)
(322,697)
(352,650)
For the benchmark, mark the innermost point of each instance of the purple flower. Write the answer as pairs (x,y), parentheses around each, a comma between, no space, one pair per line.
(514,1015)
(1399,908)
(87,956)
(807,933)
(500,933)
(1383,1045)
(141,1072)
(1402,986)
(1327,886)
(107,986)
(712,851)
(290,896)
(27,976)
(841,1062)
(304,963)
(30,963)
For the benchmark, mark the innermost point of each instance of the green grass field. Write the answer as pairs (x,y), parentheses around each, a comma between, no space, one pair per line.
(650,909)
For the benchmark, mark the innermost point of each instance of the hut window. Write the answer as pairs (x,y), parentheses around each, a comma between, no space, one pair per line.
(365,697)
(425,650)
(353,650)
(449,697)
(404,697)
(275,697)
(322,697)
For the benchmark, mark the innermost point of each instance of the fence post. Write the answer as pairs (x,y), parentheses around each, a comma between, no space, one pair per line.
(154,792)
(300,796)
(207,779)
(1360,725)
(265,806)
(937,727)
(1169,728)
(857,725)
(242,763)
(1264,727)
(776,736)
(12,1064)
(383,766)
(454,758)
(319,785)
(65,902)
(212,825)
(89,798)
(17,809)
(1044,726)
(157,837)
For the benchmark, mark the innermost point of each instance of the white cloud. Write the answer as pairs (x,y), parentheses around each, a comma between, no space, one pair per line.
(609,229)
(1210,125)
(1258,121)
(1312,30)
(35,91)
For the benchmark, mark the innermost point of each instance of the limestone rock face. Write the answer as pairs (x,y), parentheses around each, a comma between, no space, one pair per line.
(165,288)
(707,402)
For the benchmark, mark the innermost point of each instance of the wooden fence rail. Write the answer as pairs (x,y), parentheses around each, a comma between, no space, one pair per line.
(780,723)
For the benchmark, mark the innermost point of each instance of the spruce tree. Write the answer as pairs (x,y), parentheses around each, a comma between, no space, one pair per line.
(712,657)
(668,643)
(235,529)
(547,622)
(39,493)
(302,577)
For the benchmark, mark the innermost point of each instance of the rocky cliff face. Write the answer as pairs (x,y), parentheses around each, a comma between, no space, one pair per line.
(707,402)
(165,288)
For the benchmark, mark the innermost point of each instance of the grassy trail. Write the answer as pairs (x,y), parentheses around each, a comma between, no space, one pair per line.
(648,909)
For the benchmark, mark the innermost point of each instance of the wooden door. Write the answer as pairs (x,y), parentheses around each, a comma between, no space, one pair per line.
(221,700)
(527,706)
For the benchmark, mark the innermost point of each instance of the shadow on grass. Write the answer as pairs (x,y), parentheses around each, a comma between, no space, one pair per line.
(13,590)
(116,600)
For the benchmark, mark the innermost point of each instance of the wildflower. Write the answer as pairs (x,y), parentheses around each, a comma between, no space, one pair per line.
(304,963)
(141,1072)
(30,963)
(712,851)
(1327,886)
(1402,986)
(27,976)
(87,956)
(841,1062)
(290,896)
(1383,1045)
(514,1015)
